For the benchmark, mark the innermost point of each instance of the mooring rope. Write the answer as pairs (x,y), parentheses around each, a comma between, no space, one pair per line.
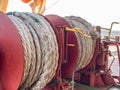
(86,44)
(40,49)
(25,37)
(38,66)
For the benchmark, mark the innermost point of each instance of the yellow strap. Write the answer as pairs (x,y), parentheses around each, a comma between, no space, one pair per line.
(0,1)
(83,34)
(79,31)
(38,4)
(70,29)
(42,7)
(3,5)
(71,45)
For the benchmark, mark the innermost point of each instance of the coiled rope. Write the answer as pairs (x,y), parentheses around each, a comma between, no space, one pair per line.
(40,49)
(85,43)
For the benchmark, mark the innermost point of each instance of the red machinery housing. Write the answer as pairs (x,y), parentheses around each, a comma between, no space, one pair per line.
(95,74)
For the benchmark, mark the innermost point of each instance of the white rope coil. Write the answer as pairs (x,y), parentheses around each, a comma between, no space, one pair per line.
(26,44)
(38,66)
(86,45)
(40,50)
(49,69)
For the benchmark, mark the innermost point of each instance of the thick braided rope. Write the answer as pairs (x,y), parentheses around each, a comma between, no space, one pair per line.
(48,69)
(48,59)
(27,43)
(86,45)
(82,51)
(55,44)
(38,65)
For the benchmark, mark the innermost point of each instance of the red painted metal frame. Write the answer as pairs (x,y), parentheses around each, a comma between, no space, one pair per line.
(11,55)
(97,75)
(70,54)
(117,44)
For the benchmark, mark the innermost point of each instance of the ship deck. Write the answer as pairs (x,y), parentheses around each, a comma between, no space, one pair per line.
(84,87)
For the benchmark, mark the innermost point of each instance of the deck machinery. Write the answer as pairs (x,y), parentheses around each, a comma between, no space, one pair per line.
(95,75)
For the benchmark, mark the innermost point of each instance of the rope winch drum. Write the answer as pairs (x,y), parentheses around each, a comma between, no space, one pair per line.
(86,44)
(41,48)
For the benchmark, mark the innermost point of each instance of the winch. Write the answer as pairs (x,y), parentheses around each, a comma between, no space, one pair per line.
(50,52)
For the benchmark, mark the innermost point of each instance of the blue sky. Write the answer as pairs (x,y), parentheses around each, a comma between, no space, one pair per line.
(97,12)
